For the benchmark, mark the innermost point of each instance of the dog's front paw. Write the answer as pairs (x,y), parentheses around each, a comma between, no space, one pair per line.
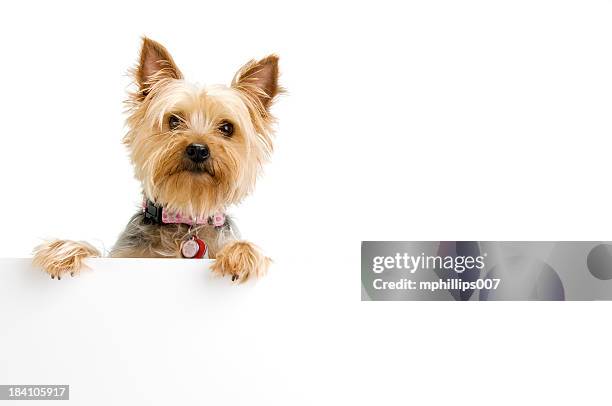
(59,257)
(240,259)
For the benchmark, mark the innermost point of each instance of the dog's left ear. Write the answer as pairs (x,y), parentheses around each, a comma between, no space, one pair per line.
(259,80)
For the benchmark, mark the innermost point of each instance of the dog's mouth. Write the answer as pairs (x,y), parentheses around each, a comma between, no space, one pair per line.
(204,168)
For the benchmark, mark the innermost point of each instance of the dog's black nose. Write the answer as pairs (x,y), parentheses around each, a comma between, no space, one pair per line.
(197,153)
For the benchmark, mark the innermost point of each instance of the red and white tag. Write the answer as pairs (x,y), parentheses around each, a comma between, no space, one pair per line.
(194,248)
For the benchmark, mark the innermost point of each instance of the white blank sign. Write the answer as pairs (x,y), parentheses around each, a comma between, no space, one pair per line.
(141,331)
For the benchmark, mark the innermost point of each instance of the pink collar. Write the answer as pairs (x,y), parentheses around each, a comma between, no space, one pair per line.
(160,215)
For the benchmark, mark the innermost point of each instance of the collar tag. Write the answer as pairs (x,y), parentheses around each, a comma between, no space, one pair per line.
(194,248)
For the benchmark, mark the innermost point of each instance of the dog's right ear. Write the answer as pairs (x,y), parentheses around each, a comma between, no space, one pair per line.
(155,64)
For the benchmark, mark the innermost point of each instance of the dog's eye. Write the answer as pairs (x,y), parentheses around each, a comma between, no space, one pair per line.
(226,128)
(174,121)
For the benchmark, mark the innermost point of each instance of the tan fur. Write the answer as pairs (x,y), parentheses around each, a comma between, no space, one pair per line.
(241,260)
(58,257)
(170,180)
(156,151)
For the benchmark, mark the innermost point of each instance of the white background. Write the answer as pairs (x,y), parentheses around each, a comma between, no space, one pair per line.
(431,120)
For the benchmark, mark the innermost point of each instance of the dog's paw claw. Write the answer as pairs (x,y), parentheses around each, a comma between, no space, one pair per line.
(60,257)
(241,260)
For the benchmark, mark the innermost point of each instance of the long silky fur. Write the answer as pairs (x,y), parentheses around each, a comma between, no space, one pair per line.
(58,256)
(157,153)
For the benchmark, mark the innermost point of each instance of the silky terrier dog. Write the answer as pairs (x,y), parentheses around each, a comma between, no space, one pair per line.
(196,152)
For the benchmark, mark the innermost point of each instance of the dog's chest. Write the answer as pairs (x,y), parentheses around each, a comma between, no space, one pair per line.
(175,240)
(167,240)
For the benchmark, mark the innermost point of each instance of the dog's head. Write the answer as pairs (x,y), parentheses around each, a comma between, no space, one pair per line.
(197,150)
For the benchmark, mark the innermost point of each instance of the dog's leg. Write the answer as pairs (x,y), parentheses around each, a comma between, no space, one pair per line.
(58,257)
(241,260)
